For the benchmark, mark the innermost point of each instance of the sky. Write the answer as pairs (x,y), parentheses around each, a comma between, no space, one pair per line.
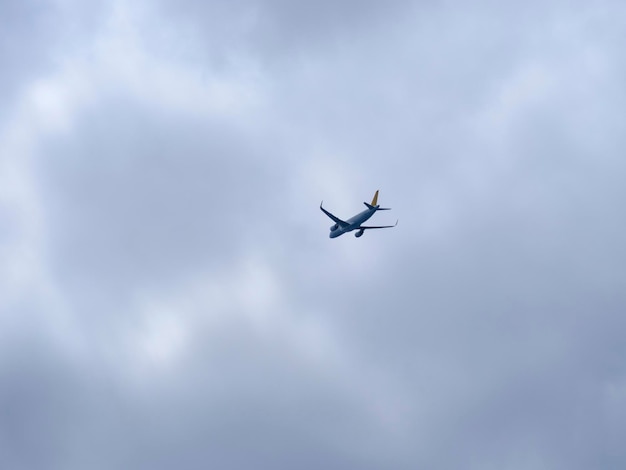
(169,296)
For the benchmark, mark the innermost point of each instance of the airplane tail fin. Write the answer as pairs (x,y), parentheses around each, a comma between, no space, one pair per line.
(375,200)
(374,204)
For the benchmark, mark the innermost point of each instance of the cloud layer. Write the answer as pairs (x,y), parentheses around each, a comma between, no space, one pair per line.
(168,293)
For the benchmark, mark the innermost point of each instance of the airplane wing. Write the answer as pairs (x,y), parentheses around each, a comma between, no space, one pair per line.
(337,220)
(365,227)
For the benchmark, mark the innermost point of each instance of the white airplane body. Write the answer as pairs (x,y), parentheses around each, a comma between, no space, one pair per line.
(354,223)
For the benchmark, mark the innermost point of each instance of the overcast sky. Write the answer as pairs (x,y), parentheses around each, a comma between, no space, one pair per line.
(169,296)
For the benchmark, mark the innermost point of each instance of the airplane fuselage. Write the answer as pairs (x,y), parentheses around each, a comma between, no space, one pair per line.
(355,223)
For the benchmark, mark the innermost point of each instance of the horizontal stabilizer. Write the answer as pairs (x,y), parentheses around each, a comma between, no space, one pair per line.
(369,206)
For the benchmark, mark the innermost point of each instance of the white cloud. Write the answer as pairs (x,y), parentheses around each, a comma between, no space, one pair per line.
(248,294)
(201,290)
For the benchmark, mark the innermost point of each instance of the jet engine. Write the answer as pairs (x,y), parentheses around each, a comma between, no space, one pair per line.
(359,233)
(334,227)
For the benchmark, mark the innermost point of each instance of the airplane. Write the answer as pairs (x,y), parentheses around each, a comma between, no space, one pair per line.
(354,223)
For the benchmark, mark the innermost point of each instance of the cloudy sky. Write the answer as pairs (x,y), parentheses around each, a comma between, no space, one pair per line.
(169,296)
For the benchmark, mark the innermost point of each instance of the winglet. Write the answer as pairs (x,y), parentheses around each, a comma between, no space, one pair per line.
(375,200)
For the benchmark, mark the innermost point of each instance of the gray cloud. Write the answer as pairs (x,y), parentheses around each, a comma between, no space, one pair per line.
(170,296)
(36,36)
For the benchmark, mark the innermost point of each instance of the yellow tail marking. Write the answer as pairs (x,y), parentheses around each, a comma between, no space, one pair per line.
(375,200)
